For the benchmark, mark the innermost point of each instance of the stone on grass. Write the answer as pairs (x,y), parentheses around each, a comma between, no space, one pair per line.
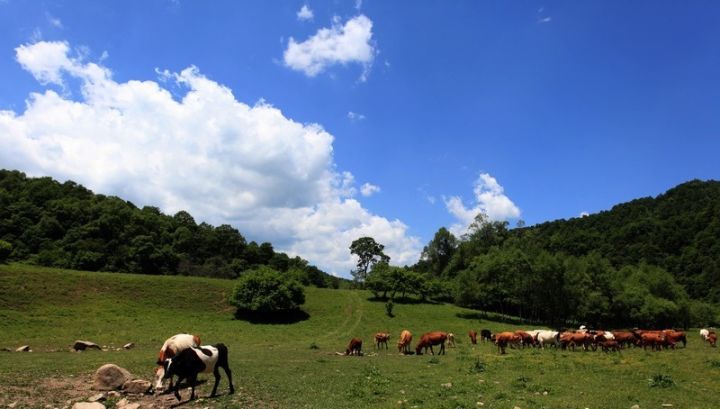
(24,348)
(635,407)
(110,377)
(83,345)
(129,345)
(88,405)
(97,398)
(136,386)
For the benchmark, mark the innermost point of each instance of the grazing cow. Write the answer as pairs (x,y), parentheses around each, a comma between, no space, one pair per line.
(503,339)
(547,337)
(712,339)
(404,342)
(354,347)
(655,340)
(674,337)
(192,361)
(451,340)
(171,347)
(625,338)
(429,339)
(485,335)
(571,339)
(704,334)
(525,338)
(473,337)
(381,338)
(609,345)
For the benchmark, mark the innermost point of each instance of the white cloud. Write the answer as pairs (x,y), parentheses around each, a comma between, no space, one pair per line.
(368,189)
(544,20)
(54,21)
(358,4)
(339,44)
(354,116)
(305,13)
(222,160)
(584,214)
(489,198)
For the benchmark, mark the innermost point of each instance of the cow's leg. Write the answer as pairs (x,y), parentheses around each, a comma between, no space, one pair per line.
(193,380)
(176,387)
(431,350)
(228,372)
(216,373)
(442,349)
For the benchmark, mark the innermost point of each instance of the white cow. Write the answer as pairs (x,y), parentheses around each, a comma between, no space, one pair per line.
(547,337)
(704,333)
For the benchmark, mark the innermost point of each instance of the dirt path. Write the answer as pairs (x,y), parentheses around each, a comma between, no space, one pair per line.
(50,393)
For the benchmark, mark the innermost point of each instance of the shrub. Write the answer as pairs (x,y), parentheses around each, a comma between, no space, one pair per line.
(5,250)
(389,308)
(266,291)
(661,381)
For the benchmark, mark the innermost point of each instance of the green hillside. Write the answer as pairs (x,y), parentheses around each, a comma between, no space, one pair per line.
(275,365)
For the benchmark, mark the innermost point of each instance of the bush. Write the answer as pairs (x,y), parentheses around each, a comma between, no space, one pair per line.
(389,308)
(5,250)
(266,291)
(661,381)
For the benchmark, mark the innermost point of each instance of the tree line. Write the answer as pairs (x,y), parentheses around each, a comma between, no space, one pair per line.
(650,262)
(66,225)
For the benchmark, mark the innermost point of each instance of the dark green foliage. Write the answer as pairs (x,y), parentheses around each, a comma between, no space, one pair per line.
(5,250)
(661,381)
(65,225)
(266,291)
(389,306)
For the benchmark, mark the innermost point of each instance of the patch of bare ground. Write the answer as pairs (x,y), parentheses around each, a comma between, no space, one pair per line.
(63,393)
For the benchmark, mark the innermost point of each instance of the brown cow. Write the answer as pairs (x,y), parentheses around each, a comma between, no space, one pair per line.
(525,338)
(675,336)
(609,345)
(473,337)
(654,339)
(572,339)
(625,338)
(429,339)
(503,339)
(381,338)
(712,339)
(404,342)
(354,347)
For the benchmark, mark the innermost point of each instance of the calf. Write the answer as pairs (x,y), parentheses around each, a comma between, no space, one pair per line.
(404,342)
(473,337)
(712,339)
(171,347)
(485,335)
(451,340)
(609,345)
(503,339)
(381,338)
(193,361)
(354,347)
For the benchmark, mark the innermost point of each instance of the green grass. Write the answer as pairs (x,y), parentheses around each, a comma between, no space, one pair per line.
(294,365)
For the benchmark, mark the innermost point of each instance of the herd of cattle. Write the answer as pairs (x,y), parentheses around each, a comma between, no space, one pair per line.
(183,356)
(581,338)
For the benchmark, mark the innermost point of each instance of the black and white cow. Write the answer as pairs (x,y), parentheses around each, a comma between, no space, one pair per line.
(193,361)
(485,335)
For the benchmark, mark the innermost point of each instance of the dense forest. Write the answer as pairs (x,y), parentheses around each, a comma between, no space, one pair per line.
(648,262)
(66,225)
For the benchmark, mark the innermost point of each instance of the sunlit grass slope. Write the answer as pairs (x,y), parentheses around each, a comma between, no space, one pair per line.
(49,309)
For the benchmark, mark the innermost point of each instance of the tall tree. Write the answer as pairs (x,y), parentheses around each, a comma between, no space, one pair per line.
(436,255)
(369,253)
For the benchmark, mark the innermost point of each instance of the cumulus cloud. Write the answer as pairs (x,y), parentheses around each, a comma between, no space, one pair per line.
(368,189)
(354,116)
(222,160)
(584,214)
(489,198)
(305,13)
(339,44)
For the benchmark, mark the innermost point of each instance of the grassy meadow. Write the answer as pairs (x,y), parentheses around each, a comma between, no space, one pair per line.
(295,366)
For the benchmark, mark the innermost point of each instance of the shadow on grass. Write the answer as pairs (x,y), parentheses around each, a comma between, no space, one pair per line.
(281,317)
(403,300)
(482,315)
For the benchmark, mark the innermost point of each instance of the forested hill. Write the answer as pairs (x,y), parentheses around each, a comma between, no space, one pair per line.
(678,231)
(66,225)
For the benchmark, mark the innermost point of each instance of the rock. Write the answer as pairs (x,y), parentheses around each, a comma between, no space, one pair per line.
(125,404)
(516,407)
(12,405)
(635,407)
(88,405)
(109,377)
(667,405)
(129,345)
(545,393)
(137,386)
(97,398)
(114,394)
(24,348)
(447,385)
(83,345)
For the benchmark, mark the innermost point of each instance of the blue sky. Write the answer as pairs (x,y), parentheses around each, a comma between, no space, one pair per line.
(310,124)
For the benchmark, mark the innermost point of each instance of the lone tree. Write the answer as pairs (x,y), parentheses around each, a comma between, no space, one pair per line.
(369,253)
(264,291)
